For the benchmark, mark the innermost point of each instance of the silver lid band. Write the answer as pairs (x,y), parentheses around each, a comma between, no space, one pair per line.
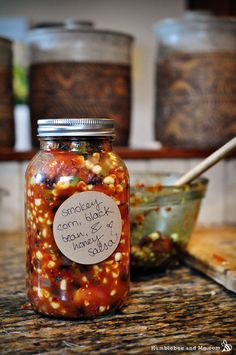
(71,127)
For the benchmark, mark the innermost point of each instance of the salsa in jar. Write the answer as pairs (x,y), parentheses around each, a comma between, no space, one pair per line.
(77,220)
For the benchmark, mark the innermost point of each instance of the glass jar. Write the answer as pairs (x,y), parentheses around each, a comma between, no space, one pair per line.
(7,136)
(76,69)
(77,220)
(195,81)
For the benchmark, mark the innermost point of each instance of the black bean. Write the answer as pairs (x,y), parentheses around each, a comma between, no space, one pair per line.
(80,311)
(58,278)
(66,263)
(54,209)
(125,276)
(62,198)
(95,180)
(31,268)
(36,243)
(64,146)
(50,182)
(114,305)
(84,268)
(75,285)
(64,267)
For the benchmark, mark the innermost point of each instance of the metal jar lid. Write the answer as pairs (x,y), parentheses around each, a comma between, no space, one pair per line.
(83,127)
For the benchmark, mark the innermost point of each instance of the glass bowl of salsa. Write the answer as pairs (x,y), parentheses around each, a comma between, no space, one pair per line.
(162,218)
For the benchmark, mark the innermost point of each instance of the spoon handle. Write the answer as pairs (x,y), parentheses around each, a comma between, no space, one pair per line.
(207,163)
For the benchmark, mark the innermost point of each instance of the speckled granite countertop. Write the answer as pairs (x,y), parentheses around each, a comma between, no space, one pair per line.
(181,308)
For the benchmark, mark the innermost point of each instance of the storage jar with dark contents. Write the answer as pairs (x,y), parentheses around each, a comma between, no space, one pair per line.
(196,82)
(77,221)
(83,72)
(7,137)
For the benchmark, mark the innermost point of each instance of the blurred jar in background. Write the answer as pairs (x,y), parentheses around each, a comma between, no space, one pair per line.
(6,95)
(196,81)
(77,71)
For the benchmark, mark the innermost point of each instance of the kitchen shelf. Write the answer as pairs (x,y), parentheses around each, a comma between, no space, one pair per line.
(125,153)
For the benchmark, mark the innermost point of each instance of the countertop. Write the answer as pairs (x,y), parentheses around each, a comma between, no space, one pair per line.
(180,308)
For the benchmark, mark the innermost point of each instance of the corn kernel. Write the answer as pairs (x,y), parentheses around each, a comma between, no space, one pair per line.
(115,265)
(37,201)
(113,292)
(96,156)
(108,180)
(118,256)
(97,169)
(51,264)
(44,232)
(102,308)
(45,293)
(39,255)
(86,303)
(119,188)
(89,165)
(55,305)
(115,275)
(109,262)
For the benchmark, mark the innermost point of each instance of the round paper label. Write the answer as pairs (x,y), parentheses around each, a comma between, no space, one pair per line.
(87,227)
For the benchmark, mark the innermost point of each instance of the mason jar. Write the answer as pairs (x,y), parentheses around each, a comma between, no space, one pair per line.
(79,71)
(77,220)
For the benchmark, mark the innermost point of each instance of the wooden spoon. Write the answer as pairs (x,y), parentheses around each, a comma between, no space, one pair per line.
(207,163)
